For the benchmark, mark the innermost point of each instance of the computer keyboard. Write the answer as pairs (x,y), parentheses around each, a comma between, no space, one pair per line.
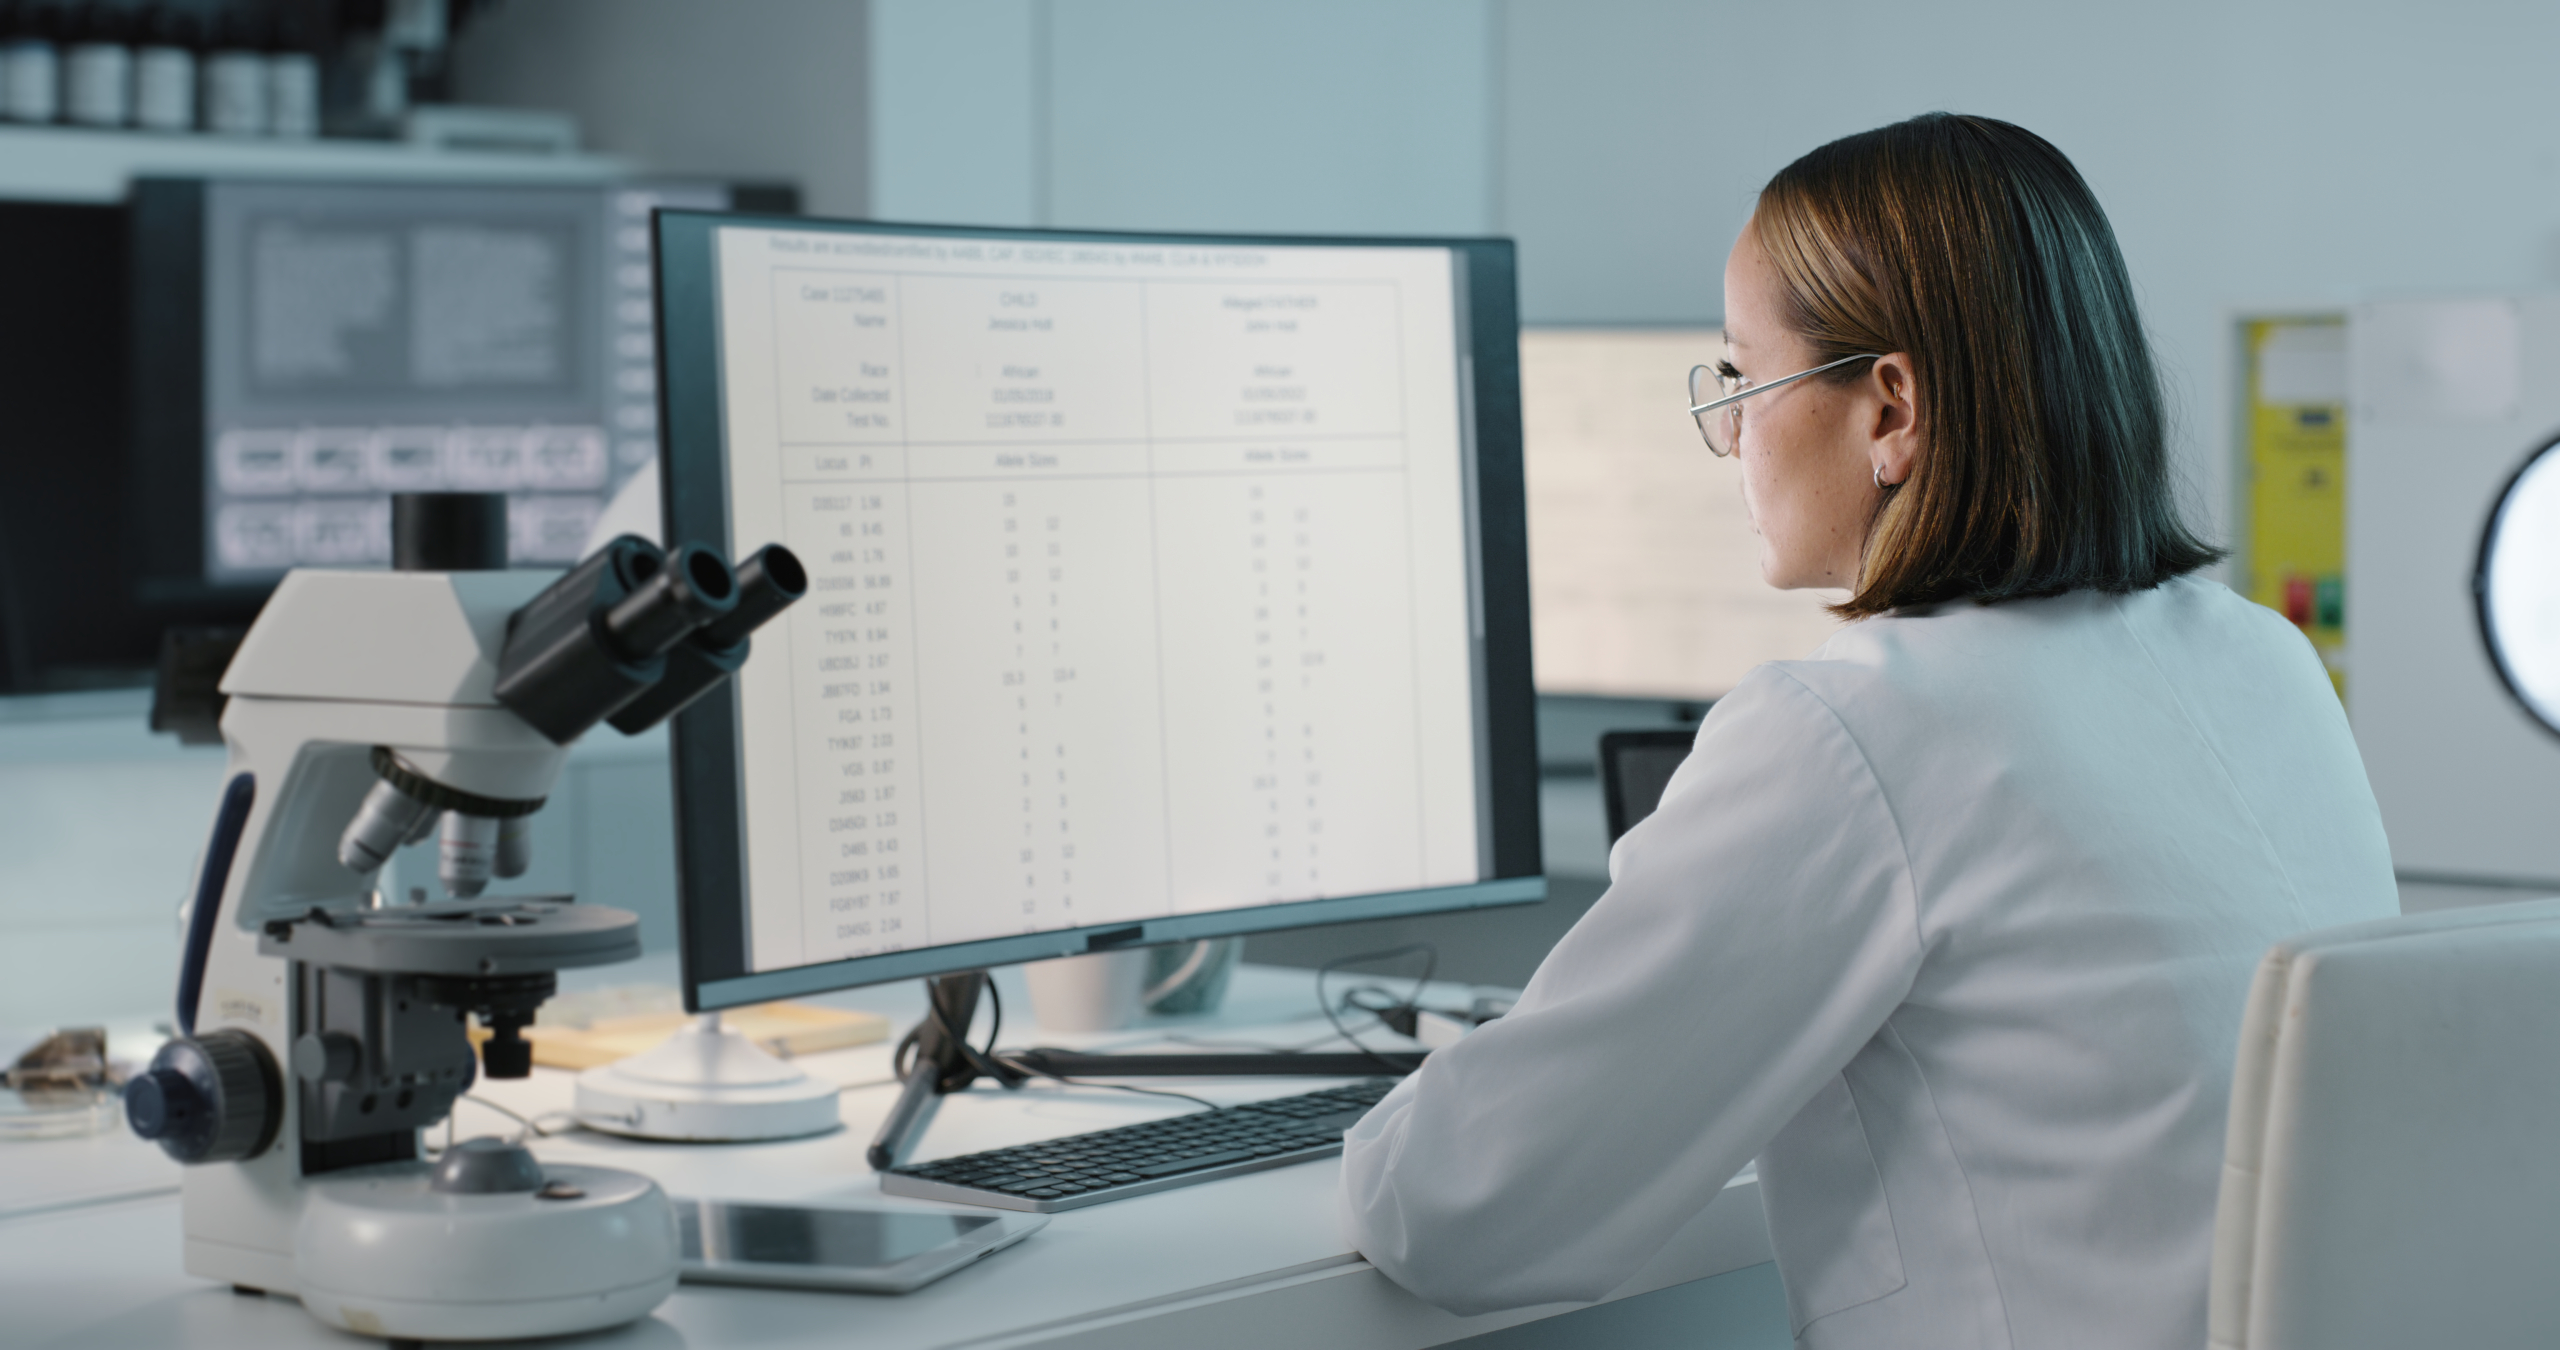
(1087,1169)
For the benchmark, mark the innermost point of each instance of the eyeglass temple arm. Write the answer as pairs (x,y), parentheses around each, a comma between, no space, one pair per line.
(1781,382)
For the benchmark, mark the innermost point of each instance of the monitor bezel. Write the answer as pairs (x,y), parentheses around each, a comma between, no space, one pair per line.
(703,748)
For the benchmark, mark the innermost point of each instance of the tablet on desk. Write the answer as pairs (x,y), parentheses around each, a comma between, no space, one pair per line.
(860,1248)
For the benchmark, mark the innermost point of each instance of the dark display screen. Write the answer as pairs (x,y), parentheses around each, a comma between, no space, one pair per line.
(788,1235)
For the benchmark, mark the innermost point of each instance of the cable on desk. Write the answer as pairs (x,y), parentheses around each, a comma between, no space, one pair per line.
(1029,1072)
(1006,1070)
(1210,1043)
(981,1058)
(529,1125)
(1383,1012)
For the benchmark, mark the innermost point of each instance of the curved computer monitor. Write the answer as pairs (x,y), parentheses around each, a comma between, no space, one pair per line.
(1161,587)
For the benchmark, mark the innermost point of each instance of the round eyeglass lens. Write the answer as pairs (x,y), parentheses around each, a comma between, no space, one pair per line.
(2519,586)
(1721,426)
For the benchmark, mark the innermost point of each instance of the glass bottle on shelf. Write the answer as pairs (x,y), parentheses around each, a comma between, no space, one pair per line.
(235,76)
(98,68)
(33,56)
(167,44)
(293,81)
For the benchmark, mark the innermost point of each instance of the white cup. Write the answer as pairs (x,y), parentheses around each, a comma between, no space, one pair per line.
(1103,991)
(1099,991)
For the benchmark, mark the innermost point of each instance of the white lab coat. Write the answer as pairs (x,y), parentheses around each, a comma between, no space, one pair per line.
(1950,924)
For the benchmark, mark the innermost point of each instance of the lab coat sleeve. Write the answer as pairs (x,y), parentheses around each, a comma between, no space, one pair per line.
(1759,930)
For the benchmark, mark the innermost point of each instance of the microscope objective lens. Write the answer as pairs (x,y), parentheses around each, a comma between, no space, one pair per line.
(466,853)
(515,846)
(386,819)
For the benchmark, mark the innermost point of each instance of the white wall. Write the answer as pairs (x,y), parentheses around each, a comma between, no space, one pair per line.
(2251,155)
(2293,154)
(1326,115)
(771,89)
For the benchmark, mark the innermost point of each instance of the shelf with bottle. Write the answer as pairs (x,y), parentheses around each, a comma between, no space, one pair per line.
(78,164)
(94,92)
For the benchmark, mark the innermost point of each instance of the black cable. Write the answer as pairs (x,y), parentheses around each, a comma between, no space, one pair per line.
(982,1059)
(1207,1044)
(1430,964)
(988,1062)
(1012,1073)
(1028,1072)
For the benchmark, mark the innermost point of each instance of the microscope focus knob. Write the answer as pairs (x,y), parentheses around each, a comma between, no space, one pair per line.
(327,1056)
(209,1098)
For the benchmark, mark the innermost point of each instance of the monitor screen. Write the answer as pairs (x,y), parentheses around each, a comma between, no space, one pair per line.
(1647,568)
(322,345)
(1159,588)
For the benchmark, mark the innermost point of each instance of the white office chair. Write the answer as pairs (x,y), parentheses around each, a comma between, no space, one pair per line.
(2392,1175)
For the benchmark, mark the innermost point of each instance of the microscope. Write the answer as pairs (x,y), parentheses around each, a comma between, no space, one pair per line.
(323,1025)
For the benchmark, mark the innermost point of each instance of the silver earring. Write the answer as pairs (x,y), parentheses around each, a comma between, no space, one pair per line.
(1881,485)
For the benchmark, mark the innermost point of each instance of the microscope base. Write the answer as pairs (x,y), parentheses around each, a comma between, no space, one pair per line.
(381,1252)
(706,1084)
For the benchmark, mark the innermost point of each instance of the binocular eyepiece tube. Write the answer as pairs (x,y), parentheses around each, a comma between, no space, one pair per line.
(768,581)
(611,637)
(693,587)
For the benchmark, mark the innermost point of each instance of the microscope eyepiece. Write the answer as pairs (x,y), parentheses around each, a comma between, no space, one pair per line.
(561,671)
(693,588)
(633,634)
(768,581)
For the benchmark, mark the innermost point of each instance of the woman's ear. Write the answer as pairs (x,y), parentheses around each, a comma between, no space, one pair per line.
(1895,437)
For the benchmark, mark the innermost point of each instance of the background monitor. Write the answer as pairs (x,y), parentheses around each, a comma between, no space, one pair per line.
(1646,572)
(1635,767)
(311,347)
(1161,588)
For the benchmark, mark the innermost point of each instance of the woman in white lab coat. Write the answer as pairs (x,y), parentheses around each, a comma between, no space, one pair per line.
(1949,924)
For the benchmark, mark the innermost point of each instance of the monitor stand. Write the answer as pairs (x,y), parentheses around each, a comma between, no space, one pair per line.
(945,1063)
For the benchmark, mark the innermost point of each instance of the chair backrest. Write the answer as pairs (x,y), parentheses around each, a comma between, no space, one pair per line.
(2392,1173)
(1634,768)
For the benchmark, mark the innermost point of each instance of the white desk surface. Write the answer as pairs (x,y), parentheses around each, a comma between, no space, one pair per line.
(89,1228)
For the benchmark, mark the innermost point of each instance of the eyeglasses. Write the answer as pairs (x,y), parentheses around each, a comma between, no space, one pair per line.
(1720,418)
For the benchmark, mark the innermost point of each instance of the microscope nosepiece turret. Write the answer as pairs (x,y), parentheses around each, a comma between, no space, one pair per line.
(481,836)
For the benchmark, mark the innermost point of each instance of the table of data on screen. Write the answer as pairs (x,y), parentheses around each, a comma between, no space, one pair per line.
(1113,591)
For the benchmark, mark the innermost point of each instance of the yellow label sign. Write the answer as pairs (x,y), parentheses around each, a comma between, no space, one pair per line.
(2294,553)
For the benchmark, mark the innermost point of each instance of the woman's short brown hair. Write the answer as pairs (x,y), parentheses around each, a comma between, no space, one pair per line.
(1975,246)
